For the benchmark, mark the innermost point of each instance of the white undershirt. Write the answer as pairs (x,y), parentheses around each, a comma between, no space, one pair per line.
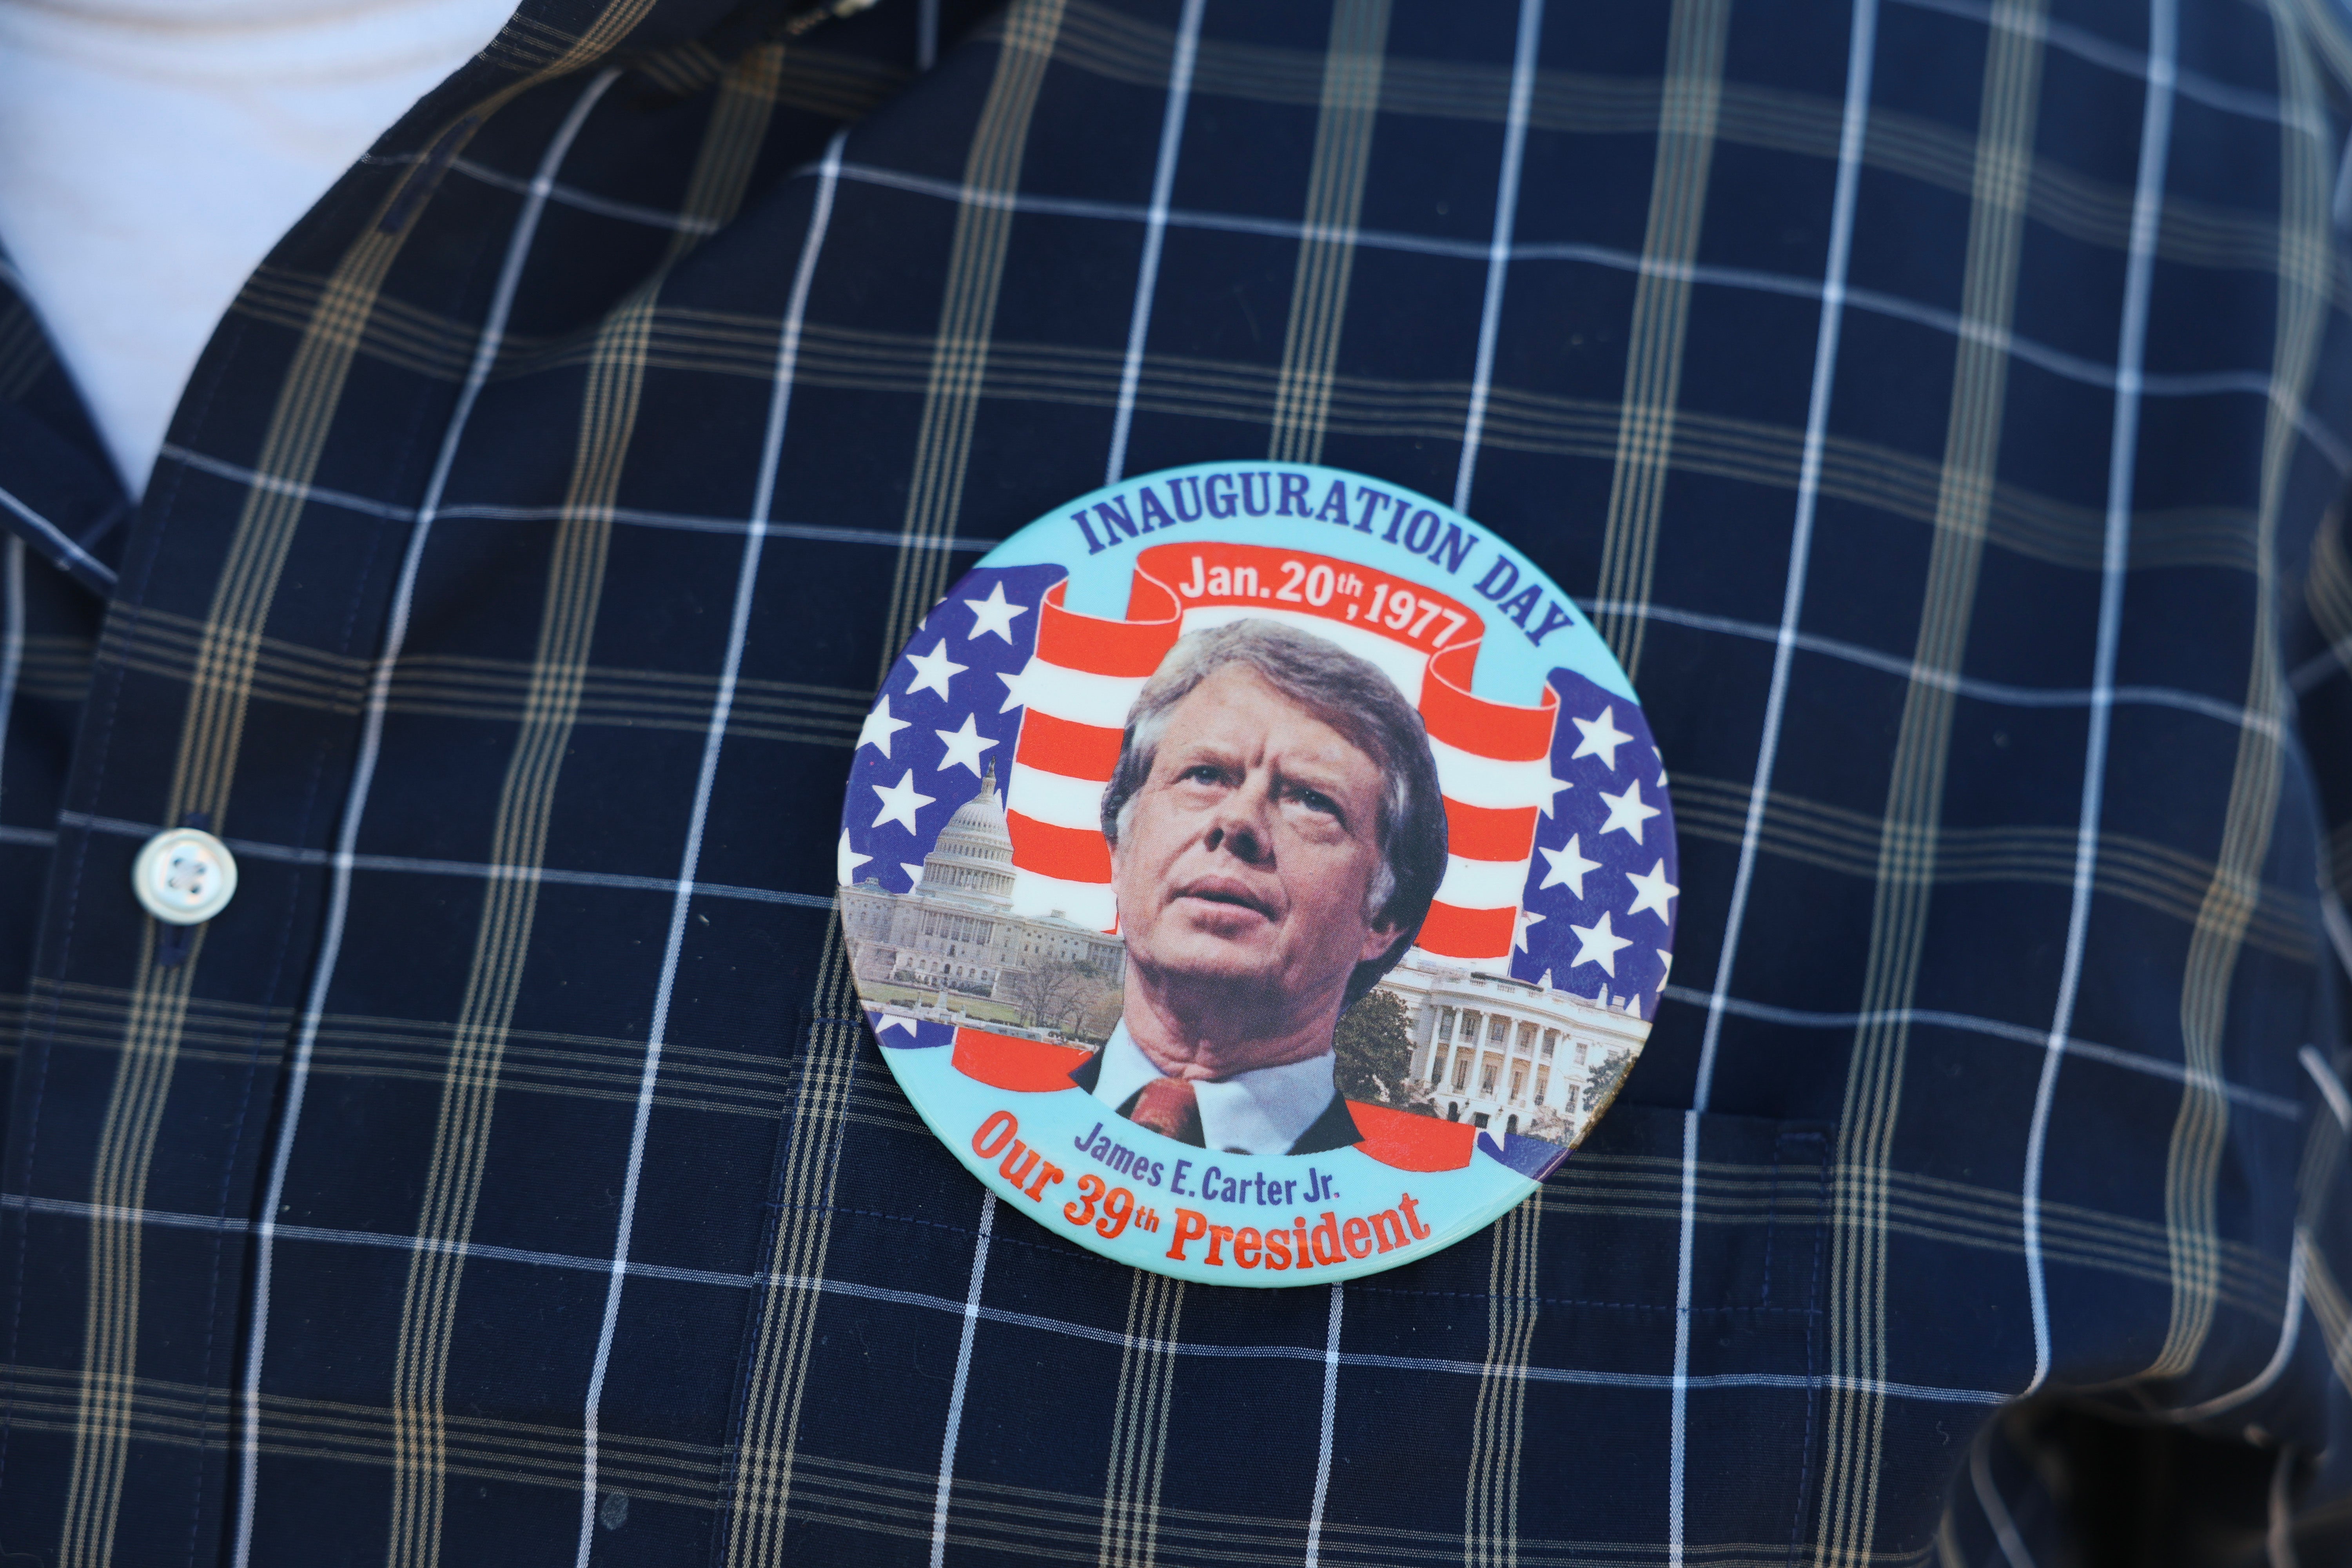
(153,151)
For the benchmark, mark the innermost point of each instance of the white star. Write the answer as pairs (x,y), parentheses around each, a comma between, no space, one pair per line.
(1667,959)
(1546,980)
(880,728)
(1596,943)
(964,747)
(848,860)
(1519,934)
(1601,738)
(1626,812)
(900,802)
(934,669)
(894,1021)
(1014,697)
(1568,867)
(1651,892)
(993,614)
(914,875)
(1547,802)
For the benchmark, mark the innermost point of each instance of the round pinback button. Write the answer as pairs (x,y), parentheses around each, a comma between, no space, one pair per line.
(1258,873)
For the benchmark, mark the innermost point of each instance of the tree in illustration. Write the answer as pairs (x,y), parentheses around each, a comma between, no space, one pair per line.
(1374,1049)
(1063,994)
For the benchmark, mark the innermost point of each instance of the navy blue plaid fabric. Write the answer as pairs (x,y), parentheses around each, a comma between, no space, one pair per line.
(1942,407)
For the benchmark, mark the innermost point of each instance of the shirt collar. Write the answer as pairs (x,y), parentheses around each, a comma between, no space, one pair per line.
(1262,1112)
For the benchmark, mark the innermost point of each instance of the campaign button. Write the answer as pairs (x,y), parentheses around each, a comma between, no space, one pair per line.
(1258,873)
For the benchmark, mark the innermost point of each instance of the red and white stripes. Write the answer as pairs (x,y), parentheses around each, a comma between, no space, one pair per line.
(1075,692)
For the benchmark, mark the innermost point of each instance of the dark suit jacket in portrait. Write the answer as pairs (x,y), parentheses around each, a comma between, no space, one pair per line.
(1334,1129)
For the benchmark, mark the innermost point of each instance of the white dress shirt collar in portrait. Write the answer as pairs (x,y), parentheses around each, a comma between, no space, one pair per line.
(1263,1111)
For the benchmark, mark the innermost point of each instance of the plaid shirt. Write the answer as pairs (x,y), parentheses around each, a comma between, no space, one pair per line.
(1941,405)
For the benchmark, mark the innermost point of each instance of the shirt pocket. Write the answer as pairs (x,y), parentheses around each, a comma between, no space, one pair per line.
(1599,1393)
(1751,1191)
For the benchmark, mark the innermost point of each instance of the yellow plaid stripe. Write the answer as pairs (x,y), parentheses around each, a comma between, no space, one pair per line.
(959,354)
(1490,1508)
(1905,873)
(1139,1437)
(1689,101)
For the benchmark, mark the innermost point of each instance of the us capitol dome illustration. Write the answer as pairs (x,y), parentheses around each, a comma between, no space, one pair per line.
(955,930)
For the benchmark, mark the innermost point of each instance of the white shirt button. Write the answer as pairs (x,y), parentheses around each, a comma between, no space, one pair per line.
(184,877)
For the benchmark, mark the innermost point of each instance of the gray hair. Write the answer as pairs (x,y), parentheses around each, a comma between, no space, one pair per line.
(1354,697)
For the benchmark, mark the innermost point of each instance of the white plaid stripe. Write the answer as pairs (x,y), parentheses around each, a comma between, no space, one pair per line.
(739,628)
(1498,257)
(1155,232)
(939,1507)
(2147,205)
(1862,43)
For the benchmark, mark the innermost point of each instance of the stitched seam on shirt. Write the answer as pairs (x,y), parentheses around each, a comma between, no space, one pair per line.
(1813,1331)
(773,1361)
(800,1043)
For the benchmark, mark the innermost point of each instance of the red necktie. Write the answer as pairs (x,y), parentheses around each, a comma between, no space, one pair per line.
(1168,1106)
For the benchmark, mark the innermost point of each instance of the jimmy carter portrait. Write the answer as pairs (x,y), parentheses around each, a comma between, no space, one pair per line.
(1276,835)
